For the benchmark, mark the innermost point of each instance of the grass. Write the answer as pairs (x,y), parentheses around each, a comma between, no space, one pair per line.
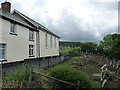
(66,50)
(21,75)
(89,69)
(68,63)
(95,85)
(0,82)
(92,67)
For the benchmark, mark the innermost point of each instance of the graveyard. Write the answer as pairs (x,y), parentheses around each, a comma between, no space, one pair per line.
(100,63)
(103,72)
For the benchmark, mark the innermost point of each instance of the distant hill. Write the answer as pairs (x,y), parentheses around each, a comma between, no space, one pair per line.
(69,44)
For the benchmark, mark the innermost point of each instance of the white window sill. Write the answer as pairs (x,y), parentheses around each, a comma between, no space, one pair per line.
(31,39)
(3,60)
(31,56)
(13,33)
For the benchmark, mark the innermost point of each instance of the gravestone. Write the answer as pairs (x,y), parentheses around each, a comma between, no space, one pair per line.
(103,69)
(118,68)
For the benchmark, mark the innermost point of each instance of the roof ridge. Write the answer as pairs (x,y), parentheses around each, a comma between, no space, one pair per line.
(13,17)
(23,16)
(38,25)
(29,18)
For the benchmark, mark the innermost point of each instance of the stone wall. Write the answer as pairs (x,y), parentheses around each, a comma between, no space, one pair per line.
(38,63)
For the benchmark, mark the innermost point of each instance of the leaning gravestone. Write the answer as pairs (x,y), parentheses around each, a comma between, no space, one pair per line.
(111,63)
(104,77)
(102,71)
(118,68)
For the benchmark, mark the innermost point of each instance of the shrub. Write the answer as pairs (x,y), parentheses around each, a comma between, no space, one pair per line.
(70,75)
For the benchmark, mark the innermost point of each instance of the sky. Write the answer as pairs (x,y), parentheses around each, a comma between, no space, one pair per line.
(73,20)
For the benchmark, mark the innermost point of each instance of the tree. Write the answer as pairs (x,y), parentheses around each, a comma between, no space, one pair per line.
(89,47)
(110,46)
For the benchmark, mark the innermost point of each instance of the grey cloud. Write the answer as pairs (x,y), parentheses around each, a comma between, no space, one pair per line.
(105,5)
(69,27)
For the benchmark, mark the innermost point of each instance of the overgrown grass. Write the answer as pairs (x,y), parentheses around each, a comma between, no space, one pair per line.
(95,85)
(21,75)
(68,63)
(88,68)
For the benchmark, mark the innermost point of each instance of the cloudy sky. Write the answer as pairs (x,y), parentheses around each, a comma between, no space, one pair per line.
(73,20)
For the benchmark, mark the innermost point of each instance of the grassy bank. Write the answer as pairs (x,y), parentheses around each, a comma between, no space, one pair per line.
(86,69)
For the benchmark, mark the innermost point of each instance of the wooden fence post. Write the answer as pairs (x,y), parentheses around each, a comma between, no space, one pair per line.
(48,63)
(78,82)
(30,76)
(39,63)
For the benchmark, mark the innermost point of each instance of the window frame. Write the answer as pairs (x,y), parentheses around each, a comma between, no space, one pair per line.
(13,28)
(51,41)
(3,57)
(31,35)
(46,40)
(31,50)
(55,43)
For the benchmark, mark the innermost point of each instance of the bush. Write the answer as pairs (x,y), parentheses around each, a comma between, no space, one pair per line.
(70,75)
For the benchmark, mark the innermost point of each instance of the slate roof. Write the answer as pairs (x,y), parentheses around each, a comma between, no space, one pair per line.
(11,17)
(16,19)
(36,24)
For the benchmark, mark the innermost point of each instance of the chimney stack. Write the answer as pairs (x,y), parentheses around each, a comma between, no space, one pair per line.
(6,6)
